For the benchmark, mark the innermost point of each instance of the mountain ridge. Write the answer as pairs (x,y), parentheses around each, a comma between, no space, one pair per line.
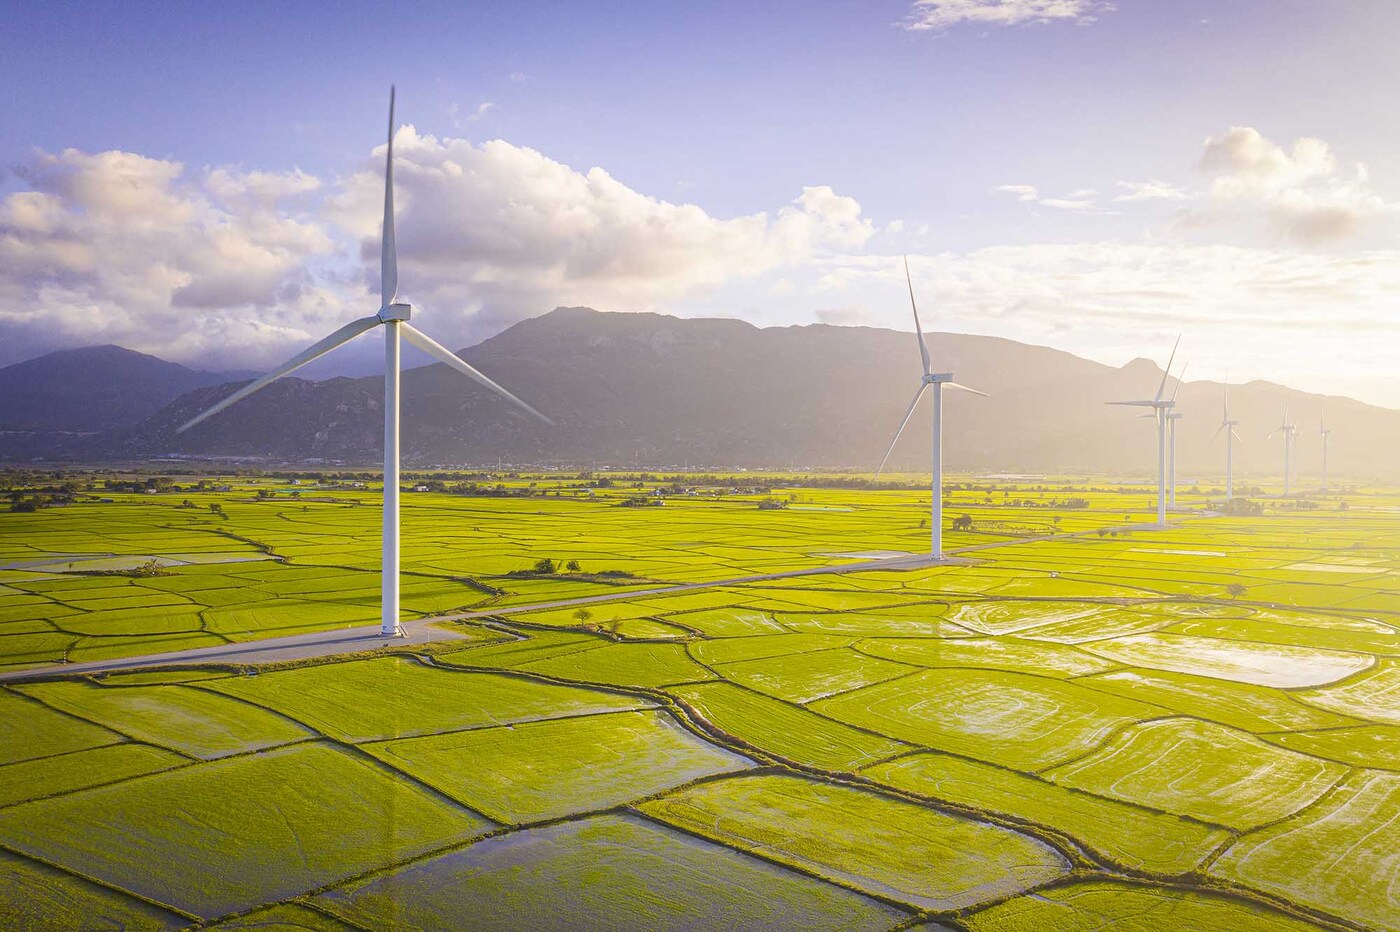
(653,390)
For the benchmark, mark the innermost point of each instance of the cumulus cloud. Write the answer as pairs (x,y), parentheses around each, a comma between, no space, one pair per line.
(938,15)
(232,267)
(494,232)
(1301,191)
(119,247)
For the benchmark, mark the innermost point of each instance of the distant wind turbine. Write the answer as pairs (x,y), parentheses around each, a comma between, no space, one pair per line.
(1160,409)
(1326,434)
(938,380)
(1172,417)
(1231,435)
(393,315)
(1290,433)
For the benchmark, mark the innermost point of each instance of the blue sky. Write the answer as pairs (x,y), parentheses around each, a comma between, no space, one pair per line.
(1276,261)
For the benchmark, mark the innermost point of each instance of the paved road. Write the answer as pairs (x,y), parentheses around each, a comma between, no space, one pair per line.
(424,630)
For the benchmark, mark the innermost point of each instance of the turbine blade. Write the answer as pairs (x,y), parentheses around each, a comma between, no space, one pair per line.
(1179,377)
(1165,372)
(1137,404)
(902,424)
(314,351)
(388,248)
(433,348)
(963,388)
(1217,432)
(1236,435)
(918,328)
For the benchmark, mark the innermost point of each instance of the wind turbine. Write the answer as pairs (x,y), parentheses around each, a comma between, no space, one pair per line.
(1231,435)
(938,380)
(1289,431)
(1326,433)
(1172,417)
(393,315)
(1160,409)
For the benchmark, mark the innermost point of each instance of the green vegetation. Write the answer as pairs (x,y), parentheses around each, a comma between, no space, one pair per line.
(1140,839)
(1012,719)
(876,843)
(1092,906)
(232,834)
(544,770)
(637,875)
(1095,730)
(1203,770)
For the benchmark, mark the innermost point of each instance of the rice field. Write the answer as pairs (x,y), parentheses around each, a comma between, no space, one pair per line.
(1081,725)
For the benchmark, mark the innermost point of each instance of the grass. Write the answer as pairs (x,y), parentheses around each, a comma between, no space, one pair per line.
(1201,769)
(1019,721)
(230,835)
(36,896)
(1097,905)
(878,844)
(619,871)
(187,720)
(64,773)
(1116,694)
(1138,839)
(393,697)
(30,730)
(784,729)
(545,770)
(1340,856)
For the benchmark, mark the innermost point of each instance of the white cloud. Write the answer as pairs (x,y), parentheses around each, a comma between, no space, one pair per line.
(1300,190)
(1083,199)
(492,233)
(118,247)
(1151,190)
(233,267)
(937,15)
(461,121)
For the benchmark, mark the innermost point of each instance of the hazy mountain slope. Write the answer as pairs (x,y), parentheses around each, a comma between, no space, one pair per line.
(91,389)
(657,390)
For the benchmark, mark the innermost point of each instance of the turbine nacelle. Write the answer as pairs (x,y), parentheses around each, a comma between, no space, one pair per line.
(396,311)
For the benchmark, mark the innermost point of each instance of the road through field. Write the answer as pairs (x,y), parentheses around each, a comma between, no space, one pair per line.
(337,641)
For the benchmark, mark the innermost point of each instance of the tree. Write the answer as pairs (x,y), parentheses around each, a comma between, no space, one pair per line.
(572,566)
(583,615)
(544,566)
(962,523)
(1236,590)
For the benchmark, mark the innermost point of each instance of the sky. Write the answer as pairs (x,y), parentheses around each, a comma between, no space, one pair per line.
(204,181)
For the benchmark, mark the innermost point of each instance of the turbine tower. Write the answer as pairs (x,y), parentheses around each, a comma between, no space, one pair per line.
(393,316)
(1290,432)
(1160,409)
(938,380)
(1326,433)
(1172,417)
(1231,435)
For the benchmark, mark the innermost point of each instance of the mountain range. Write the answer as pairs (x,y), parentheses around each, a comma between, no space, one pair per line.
(651,390)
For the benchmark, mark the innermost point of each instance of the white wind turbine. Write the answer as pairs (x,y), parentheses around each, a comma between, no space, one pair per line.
(1160,409)
(1231,435)
(1172,417)
(1290,432)
(937,380)
(393,315)
(1326,433)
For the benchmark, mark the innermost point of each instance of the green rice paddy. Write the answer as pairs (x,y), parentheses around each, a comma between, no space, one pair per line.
(1084,726)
